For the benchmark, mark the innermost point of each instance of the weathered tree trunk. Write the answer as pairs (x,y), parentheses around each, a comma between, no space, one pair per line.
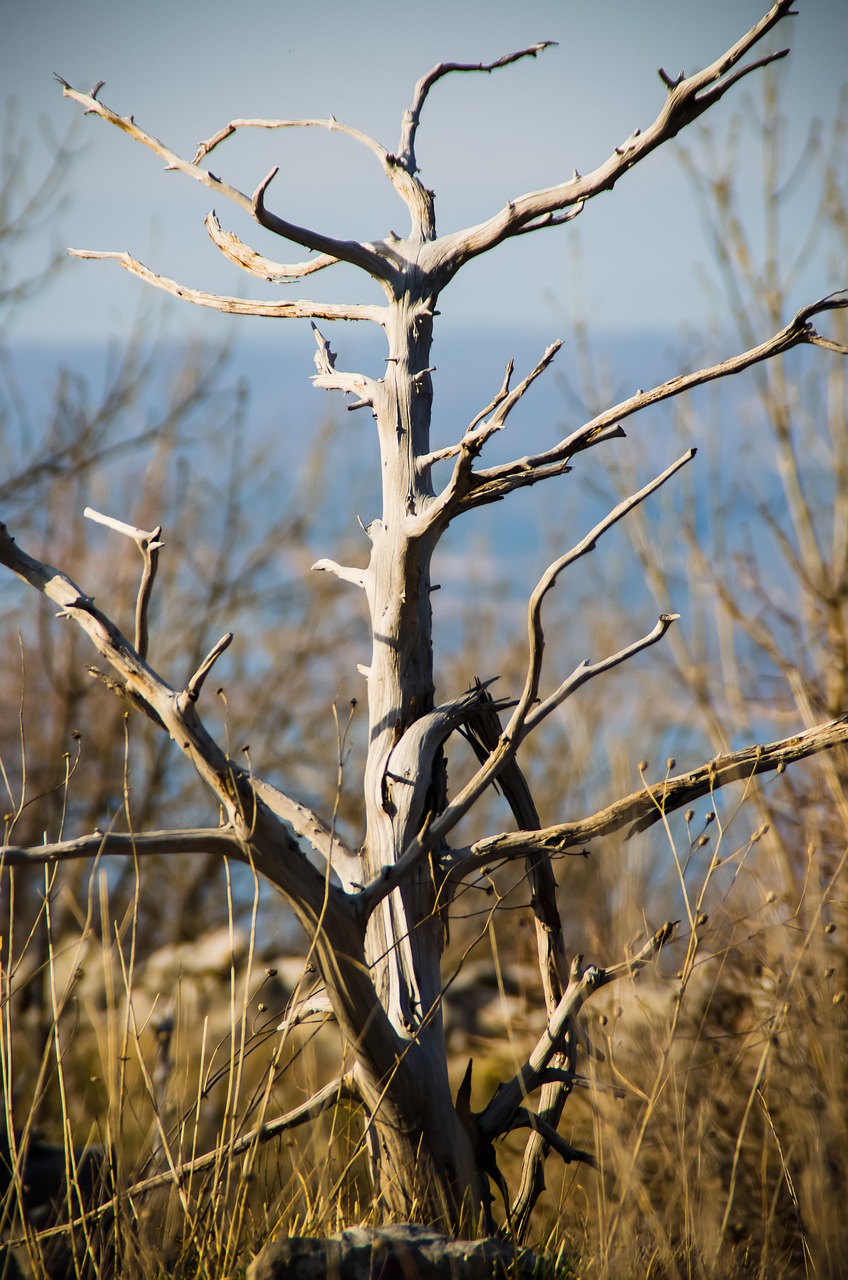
(429,1167)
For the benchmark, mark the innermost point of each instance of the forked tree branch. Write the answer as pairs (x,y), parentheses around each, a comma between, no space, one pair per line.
(329,378)
(412,116)
(493,483)
(687,99)
(265,840)
(149,544)
(499,1116)
(524,1118)
(401,176)
(522,720)
(484,733)
(479,431)
(358,255)
(345,250)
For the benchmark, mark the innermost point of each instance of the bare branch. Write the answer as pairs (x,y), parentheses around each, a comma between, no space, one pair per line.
(344,1088)
(197,681)
(221,841)
(149,544)
(588,670)
(526,1119)
(172,161)
(481,429)
(484,732)
(412,116)
(410,764)
(346,250)
(641,809)
(320,835)
(358,577)
(312,1006)
(332,379)
(495,482)
(265,841)
(238,306)
(498,1116)
(249,260)
(331,124)
(417,199)
(686,100)
(358,255)
(521,722)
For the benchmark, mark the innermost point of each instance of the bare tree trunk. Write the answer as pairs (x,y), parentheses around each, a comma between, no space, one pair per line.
(418,1130)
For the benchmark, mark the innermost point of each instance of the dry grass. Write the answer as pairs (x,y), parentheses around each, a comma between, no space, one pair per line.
(716,1099)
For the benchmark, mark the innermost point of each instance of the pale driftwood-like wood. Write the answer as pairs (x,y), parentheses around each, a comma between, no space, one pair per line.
(199,841)
(301,309)
(495,482)
(375,915)
(249,260)
(687,99)
(642,809)
(149,544)
(530,711)
(499,1115)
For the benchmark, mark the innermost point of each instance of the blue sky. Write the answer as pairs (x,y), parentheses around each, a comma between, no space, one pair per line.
(184,69)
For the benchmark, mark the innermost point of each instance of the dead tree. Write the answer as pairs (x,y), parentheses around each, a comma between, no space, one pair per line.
(375,914)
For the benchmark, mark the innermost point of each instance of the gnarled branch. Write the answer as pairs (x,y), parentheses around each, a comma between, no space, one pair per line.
(412,116)
(274,852)
(358,255)
(522,721)
(149,544)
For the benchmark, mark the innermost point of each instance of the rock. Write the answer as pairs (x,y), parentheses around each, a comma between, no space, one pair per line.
(401,1252)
